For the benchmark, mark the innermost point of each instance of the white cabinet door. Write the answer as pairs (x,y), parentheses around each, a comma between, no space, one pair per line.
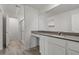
(72,48)
(54,47)
(70,52)
(57,41)
(55,50)
(42,45)
(73,45)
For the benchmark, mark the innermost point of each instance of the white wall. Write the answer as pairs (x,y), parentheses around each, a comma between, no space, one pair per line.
(63,21)
(31,24)
(1,27)
(42,23)
(20,12)
(75,22)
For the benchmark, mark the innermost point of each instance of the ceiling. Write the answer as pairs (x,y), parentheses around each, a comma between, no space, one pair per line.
(62,8)
(13,10)
(9,9)
(42,7)
(39,6)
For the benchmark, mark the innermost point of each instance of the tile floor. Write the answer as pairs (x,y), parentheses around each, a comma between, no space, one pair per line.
(16,47)
(32,51)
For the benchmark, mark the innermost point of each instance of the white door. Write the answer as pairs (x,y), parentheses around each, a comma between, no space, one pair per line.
(12,29)
(1,31)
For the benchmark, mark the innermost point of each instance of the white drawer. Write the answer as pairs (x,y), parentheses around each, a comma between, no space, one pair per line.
(57,41)
(73,45)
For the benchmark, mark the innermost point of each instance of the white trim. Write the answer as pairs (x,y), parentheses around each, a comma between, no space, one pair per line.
(21,19)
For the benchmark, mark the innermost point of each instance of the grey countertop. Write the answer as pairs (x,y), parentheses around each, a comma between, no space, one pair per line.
(61,35)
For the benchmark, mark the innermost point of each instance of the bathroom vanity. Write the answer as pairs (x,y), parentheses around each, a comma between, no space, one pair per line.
(57,43)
